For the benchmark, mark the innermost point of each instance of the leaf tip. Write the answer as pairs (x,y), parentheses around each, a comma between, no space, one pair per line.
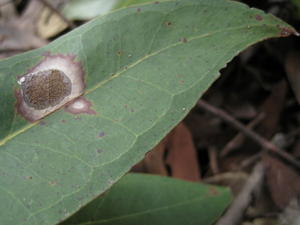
(287,31)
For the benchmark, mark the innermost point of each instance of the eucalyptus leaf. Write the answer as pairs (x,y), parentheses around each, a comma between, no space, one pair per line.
(144,68)
(147,199)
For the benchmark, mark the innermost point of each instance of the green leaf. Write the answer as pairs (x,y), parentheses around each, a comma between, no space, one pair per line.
(147,199)
(145,68)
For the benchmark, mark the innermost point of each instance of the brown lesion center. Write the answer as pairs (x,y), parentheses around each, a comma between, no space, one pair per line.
(46,89)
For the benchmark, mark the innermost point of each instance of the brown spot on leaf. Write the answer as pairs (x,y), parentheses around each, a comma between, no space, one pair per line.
(286,31)
(46,89)
(52,183)
(119,53)
(168,23)
(128,108)
(258,17)
(101,134)
(212,191)
(79,106)
(50,84)
(184,40)
(138,10)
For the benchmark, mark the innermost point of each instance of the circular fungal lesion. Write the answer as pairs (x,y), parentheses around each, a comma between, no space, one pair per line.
(45,89)
(53,82)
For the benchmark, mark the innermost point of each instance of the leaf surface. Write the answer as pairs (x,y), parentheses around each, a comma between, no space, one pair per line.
(145,68)
(147,199)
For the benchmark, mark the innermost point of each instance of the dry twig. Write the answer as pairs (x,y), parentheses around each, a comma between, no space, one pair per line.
(249,133)
(213,160)
(238,139)
(235,213)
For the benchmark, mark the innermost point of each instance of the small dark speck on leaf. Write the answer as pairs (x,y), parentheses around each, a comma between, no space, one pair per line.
(29,178)
(168,23)
(119,53)
(42,123)
(258,17)
(156,2)
(183,40)
(138,9)
(52,183)
(99,151)
(101,134)
(63,121)
(213,191)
